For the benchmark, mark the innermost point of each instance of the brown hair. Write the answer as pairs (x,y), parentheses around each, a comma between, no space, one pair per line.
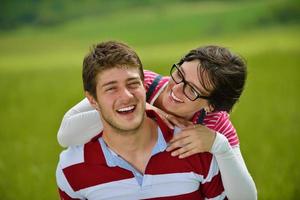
(104,56)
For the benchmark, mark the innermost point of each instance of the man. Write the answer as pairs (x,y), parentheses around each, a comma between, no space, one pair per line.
(128,159)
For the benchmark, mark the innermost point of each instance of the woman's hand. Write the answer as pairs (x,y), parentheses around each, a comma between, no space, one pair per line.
(170,119)
(191,140)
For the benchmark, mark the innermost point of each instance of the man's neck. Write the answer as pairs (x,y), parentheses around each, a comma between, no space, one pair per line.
(136,146)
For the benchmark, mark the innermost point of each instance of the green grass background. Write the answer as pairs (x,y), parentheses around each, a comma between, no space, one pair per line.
(40,78)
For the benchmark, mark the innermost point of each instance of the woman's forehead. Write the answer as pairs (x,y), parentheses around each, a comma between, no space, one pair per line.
(195,74)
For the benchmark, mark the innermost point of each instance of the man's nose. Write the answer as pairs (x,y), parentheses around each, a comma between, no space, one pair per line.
(125,94)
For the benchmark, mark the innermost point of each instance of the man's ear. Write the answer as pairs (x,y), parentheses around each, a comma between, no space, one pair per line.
(92,100)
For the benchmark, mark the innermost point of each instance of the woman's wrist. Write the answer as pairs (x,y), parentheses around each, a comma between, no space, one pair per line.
(220,145)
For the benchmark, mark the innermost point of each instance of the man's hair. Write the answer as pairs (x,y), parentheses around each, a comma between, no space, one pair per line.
(107,55)
(226,72)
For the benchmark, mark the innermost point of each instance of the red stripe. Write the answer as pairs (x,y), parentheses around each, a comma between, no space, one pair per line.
(84,175)
(94,170)
(164,163)
(213,188)
(64,196)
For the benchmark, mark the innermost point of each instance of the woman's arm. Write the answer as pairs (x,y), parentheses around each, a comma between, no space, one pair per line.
(237,181)
(79,125)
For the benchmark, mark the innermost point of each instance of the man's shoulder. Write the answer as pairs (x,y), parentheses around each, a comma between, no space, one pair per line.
(89,153)
(72,156)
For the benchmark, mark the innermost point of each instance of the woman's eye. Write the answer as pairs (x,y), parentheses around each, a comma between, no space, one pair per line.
(193,91)
(178,74)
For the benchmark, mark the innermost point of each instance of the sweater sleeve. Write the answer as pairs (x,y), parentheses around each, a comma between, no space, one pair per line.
(79,125)
(237,181)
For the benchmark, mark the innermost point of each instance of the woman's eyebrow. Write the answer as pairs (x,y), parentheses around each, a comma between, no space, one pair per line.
(192,84)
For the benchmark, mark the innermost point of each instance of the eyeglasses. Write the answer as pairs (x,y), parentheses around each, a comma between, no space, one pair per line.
(189,91)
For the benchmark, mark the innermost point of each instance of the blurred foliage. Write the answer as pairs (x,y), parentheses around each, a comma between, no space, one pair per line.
(15,13)
(42,44)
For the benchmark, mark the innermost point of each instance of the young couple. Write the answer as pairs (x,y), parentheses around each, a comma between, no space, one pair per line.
(186,149)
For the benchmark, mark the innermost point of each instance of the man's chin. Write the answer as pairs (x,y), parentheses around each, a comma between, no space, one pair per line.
(129,125)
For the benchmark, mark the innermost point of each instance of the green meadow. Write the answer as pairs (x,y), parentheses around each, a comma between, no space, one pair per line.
(40,79)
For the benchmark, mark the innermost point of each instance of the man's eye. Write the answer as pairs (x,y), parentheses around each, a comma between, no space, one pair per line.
(110,89)
(134,84)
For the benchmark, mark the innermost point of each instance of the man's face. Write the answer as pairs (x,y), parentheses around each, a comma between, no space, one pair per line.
(175,99)
(121,98)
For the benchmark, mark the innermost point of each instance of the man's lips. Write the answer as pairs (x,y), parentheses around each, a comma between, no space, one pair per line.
(125,110)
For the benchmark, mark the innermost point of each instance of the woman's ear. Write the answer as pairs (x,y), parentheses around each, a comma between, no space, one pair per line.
(92,100)
(209,108)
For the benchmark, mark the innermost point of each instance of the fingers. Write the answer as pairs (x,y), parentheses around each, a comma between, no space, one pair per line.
(185,151)
(177,143)
(179,136)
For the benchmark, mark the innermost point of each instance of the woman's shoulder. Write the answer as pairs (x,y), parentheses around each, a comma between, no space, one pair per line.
(220,122)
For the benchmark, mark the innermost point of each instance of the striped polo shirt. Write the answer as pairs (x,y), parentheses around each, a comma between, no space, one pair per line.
(94,171)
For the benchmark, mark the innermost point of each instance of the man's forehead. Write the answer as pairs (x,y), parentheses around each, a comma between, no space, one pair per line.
(117,74)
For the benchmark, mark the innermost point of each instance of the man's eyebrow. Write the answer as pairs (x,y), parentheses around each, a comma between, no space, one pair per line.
(109,83)
(133,79)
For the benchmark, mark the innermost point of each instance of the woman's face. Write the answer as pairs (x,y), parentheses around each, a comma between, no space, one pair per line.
(177,96)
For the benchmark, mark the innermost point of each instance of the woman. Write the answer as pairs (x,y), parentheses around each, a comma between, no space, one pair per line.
(204,86)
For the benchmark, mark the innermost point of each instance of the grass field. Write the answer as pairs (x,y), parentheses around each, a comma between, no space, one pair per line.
(40,78)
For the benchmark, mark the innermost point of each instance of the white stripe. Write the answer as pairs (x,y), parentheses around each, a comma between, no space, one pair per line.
(213,170)
(158,92)
(71,156)
(231,130)
(224,127)
(153,186)
(210,121)
(126,189)
(213,116)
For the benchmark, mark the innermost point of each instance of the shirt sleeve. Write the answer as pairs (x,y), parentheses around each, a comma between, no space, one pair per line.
(79,125)
(64,189)
(223,125)
(149,77)
(237,181)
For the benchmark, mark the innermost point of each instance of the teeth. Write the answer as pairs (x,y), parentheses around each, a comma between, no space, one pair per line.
(126,109)
(176,98)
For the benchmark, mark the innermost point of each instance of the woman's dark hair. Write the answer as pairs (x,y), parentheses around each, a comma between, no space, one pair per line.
(226,72)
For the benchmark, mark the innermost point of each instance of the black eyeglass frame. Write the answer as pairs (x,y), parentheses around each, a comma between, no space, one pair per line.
(186,83)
